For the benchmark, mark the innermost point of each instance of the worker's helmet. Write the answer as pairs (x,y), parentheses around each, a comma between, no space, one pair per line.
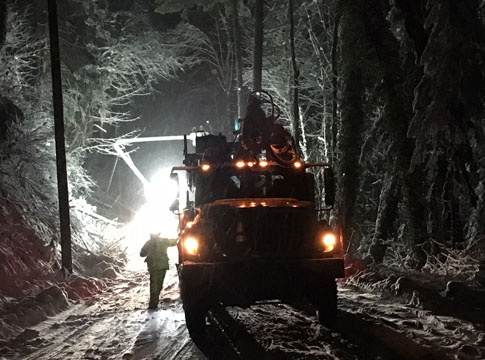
(154,235)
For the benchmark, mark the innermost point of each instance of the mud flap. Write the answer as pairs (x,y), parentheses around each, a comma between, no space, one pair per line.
(326,302)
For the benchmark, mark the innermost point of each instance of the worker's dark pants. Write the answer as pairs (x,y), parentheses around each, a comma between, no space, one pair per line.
(156,285)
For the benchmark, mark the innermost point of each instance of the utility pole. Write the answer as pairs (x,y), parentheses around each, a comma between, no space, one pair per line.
(62,187)
(258,45)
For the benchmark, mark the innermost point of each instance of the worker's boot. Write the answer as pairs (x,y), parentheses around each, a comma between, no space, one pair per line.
(153,304)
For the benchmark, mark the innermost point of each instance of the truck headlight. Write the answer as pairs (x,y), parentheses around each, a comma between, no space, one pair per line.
(191,245)
(329,241)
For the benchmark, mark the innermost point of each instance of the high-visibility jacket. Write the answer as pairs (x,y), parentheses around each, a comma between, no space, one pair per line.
(155,251)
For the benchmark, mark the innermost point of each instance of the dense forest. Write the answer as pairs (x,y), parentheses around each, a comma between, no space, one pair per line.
(391,93)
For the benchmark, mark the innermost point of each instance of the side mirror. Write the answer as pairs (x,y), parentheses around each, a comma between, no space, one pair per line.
(174,207)
(329,183)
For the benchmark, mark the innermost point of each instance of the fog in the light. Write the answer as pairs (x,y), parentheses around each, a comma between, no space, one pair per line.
(153,216)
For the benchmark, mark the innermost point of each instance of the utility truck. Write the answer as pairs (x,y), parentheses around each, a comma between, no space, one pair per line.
(250,229)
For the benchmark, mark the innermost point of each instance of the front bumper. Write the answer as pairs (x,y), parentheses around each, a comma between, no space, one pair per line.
(243,283)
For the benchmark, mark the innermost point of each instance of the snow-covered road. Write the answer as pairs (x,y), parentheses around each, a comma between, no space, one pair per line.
(116,325)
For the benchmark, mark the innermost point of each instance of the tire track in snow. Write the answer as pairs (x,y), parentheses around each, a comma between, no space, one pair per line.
(116,325)
(406,330)
(368,327)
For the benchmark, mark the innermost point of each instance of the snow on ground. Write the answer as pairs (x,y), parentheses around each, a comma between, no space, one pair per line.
(289,333)
(370,323)
(441,334)
(116,325)
(113,325)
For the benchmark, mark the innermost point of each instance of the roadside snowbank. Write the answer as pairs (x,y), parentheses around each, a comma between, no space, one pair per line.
(32,286)
(25,262)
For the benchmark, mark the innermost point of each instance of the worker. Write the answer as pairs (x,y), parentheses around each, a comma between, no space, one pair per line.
(155,251)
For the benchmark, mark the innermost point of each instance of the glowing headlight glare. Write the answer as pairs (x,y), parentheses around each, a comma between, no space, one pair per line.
(263,163)
(240,164)
(206,167)
(297,164)
(250,164)
(191,245)
(329,241)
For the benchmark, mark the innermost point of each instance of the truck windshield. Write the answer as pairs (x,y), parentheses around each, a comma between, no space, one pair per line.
(235,184)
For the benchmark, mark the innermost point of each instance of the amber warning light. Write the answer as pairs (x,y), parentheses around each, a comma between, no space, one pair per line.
(206,167)
(263,163)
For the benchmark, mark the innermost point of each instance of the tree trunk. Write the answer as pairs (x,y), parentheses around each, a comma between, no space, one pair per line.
(397,112)
(293,80)
(386,214)
(334,128)
(258,45)
(237,54)
(352,121)
(3,22)
(414,18)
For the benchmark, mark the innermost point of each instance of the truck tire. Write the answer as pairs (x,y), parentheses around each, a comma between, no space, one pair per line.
(195,320)
(326,303)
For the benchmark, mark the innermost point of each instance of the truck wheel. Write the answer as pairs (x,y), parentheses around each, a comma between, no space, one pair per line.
(195,317)
(327,304)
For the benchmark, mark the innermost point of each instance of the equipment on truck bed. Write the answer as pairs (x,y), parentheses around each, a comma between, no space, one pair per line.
(250,230)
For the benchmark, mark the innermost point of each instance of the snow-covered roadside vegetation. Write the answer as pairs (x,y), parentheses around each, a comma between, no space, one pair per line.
(106,74)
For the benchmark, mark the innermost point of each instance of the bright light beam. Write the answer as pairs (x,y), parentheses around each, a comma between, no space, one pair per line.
(153,217)
(118,146)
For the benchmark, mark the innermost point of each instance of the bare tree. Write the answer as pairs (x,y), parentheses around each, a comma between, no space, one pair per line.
(352,121)
(238,57)
(293,79)
(258,44)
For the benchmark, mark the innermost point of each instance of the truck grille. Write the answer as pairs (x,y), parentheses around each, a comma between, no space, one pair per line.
(262,232)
